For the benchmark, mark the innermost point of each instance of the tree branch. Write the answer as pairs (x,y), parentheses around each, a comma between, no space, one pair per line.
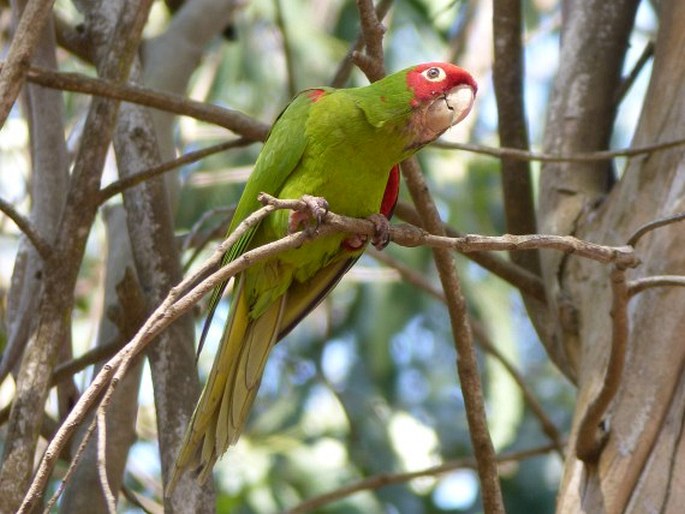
(24,224)
(26,36)
(593,429)
(642,284)
(508,74)
(576,157)
(125,183)
(386,479)
(371,61)
(653,225)
(515,275)
(164,101)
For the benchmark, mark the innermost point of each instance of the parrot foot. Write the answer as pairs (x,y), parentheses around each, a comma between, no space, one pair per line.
(314,208)
(380,239)
(381,224)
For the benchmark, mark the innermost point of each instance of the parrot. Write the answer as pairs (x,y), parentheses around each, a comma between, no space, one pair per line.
(336,149)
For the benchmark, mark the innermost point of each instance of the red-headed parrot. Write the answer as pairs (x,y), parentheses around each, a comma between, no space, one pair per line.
(341,145)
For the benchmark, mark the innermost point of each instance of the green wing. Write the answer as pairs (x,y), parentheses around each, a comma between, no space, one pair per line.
(284,147)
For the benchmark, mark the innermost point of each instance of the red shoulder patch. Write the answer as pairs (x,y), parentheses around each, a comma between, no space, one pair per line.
(315,94)
(392,191)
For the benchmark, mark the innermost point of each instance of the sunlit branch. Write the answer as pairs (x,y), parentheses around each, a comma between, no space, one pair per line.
(122,185)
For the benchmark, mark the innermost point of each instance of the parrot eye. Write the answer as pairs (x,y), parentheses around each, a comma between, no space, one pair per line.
(434,74)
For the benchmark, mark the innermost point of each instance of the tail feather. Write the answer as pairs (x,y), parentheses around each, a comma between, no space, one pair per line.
(246,375)
(231,387)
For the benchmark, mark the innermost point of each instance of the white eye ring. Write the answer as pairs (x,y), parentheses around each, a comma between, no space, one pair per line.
(434,74)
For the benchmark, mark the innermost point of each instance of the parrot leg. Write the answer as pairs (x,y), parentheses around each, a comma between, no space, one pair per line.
(315,208)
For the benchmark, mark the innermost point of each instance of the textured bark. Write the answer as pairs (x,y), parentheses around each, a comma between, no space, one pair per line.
(581,117)
(641,468)
(61,269)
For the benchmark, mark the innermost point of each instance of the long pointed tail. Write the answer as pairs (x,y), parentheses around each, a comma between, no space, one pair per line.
(232,385)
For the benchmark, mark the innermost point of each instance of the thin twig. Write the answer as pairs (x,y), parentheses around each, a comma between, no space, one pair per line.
(386,479)
(24,224)
(592,431)
(628,82)
(653,225)
(70,470)
(548,427)
(123,184)
(287,49)
(641,284)
(602,155)
(102,462)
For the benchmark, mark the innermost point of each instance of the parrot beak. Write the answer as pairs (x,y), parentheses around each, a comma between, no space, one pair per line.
(442,113)
(459,100)
(449,109)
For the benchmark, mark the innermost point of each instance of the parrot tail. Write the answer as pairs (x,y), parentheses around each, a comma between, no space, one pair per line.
(232,385)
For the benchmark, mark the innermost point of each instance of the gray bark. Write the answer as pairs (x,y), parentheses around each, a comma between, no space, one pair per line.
(641,468)
(580,119)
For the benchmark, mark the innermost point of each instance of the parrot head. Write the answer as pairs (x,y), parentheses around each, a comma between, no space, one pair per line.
(442,96)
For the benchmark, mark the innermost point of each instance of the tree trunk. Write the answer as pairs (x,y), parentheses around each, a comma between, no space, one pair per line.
(642,465)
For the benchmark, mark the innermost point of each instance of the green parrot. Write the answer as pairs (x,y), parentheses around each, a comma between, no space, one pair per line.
(339,149)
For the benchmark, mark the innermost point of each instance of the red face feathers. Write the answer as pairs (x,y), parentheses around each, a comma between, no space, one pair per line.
(443,96)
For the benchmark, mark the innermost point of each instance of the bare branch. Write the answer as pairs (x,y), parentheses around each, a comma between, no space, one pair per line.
(522,279)
(123,184)
(653,225)
(508,75)
(24,224)
(371,61)
(628,82)
(548,427)
(579,157)
(287,49)
(467,363)
(164,101)
(102,462)
(386,479)
(26,36)
(31,497)
(592,431)
(345,67)
(641,284)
